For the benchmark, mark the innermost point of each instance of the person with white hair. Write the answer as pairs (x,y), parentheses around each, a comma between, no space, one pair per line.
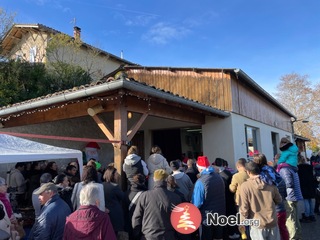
(88,221)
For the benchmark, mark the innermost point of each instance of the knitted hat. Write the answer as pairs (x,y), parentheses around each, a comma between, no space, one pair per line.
(203,162)
(160,174)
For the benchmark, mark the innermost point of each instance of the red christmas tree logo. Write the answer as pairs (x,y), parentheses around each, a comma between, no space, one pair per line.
(185,218)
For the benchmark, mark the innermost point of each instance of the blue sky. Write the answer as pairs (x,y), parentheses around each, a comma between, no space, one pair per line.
(265,38)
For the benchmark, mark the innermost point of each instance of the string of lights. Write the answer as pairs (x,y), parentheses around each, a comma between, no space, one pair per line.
(102,99)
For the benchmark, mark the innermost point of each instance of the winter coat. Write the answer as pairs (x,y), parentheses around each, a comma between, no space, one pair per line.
(237,179)
(270,176)
(87,223)
(291,178)
(258,200)
(65,194)
(51,221)
(113,197)
(184,183)
(127,201)
(133,164)
(154,162)
(152,214)
(209,193)
(289,155)
(308,183)
(229,196)
(192,173)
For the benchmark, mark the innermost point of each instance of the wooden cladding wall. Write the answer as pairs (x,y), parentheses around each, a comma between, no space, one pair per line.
(212,88)
(247,102)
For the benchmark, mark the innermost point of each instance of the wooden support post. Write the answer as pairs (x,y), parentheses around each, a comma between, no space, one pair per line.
(120,132)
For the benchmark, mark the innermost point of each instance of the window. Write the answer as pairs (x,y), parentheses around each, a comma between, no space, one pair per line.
(252,141)
(274,139)
(33,53)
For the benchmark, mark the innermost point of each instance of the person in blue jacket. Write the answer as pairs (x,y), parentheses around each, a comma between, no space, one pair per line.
(289,154)
(52,218)
(209,196)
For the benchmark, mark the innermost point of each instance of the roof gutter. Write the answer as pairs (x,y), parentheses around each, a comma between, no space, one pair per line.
(101,88)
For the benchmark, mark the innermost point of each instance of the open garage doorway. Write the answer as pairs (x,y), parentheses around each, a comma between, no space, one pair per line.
(175,142)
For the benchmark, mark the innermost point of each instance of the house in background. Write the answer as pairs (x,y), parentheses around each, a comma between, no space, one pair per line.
(29,43)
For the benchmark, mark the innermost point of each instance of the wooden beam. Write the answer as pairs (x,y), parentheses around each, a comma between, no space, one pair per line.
(120,132)
(104,128)
(163,110)
(136,127)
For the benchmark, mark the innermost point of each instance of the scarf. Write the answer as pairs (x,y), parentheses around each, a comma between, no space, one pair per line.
(6,203)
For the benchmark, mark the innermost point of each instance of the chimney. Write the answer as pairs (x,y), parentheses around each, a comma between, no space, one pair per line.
(76,32)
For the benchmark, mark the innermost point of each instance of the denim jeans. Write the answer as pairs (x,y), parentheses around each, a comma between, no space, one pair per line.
(308,207)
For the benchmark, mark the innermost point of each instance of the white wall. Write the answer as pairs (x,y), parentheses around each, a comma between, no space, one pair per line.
(226,138)
(217,138)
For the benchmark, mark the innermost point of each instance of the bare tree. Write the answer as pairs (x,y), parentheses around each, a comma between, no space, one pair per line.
(6,21)
(62,51)
(301,98)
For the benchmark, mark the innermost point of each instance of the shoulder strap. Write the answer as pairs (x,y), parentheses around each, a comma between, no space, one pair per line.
(134,199)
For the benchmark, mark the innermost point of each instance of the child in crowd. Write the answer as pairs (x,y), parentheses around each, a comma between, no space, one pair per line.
(289,154)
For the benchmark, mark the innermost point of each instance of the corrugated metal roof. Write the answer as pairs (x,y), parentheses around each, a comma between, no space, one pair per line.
(234,71)
(104,86)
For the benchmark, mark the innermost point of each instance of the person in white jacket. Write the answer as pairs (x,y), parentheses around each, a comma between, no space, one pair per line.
(154,162)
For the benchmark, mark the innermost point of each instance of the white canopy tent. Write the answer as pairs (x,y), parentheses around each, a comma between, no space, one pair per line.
(14,149)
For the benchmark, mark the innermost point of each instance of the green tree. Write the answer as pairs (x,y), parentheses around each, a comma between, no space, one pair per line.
(301,98)
(20,81)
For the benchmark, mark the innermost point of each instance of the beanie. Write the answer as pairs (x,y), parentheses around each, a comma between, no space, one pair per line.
(160,174)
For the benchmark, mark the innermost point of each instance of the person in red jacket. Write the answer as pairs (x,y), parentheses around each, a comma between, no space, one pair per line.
(88,221)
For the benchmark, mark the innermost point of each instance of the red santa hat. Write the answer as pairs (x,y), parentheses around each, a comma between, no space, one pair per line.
(93,145)
(203,162)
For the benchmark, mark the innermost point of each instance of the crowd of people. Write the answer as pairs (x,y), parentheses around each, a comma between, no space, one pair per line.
(94,206)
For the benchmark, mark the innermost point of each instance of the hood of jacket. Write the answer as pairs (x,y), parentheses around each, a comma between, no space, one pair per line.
(290,147)
(90,221)
(208,170)
(132,159)
(178,174)
(257,182)
(156,159)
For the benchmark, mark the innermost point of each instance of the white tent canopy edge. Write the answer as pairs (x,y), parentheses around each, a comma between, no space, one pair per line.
(14,149)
